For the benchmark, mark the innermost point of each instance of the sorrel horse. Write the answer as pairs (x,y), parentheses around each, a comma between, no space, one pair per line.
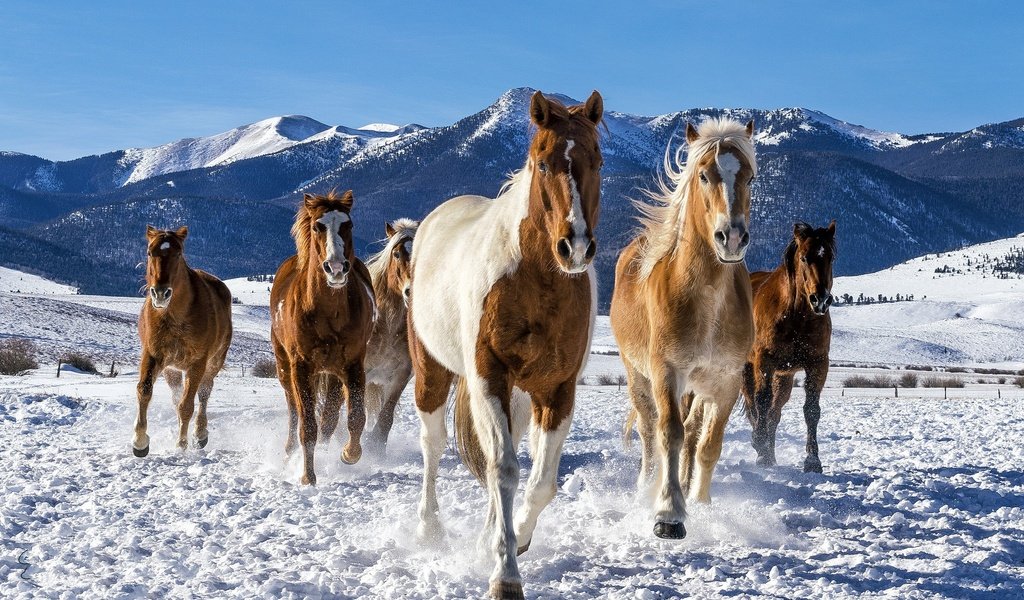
(681,313)
(322,310)
(793,331)
(504,297)
(388,366)
(187,334)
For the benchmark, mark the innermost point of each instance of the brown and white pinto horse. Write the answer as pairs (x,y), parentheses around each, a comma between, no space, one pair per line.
(681,313)
(185,329)
(322,313)
(793,332)
(388,366)
(504,297)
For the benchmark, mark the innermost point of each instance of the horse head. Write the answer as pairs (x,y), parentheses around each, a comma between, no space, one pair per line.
(565,160)
(723,167)
(809,259)
(163,263)
(323,232)
(398,275)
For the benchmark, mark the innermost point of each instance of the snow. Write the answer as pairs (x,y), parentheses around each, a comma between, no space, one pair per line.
(26,283)
(383,127)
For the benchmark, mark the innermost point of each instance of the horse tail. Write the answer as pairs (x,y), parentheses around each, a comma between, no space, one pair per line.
(466,439)
(627,428)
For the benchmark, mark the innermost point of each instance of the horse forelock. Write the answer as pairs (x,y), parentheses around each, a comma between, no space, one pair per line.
(378,264)
(662,219)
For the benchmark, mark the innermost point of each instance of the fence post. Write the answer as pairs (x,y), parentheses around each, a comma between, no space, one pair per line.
(897,390)
(945,393)
(58,369)
(111,368)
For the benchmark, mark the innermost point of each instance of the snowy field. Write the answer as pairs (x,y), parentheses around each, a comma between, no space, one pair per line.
(922,497)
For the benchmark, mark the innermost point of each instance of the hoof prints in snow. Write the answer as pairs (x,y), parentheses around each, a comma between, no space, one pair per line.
(919,498)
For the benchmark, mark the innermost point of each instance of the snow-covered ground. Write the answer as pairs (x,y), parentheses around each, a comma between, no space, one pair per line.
(19,282)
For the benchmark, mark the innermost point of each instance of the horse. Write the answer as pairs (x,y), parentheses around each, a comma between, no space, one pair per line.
(388,366)
(793,331)
(322,308)
(185,337)
(504,298)
(681,314)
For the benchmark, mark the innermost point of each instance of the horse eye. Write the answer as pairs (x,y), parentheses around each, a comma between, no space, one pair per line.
(319,226)
(543,166)
(703,177)
(803,258)
(397,253)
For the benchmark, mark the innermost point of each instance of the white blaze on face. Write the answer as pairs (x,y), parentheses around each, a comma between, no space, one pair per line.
(728,167)
(575,218)
(332,221)
(165,245)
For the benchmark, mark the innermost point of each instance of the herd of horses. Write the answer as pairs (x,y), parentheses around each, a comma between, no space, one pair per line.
(498,297)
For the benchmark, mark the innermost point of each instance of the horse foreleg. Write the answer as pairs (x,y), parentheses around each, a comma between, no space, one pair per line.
(646,418)
(329,387)
(304,391)
(670,504)
(193,378)
(692,429)
(148,368)
(782,389)
(202,431)
(388,401)
(355,389)
(762,406)
(490,399)
(433,382)
(551,421)
(284,376)
(812,412)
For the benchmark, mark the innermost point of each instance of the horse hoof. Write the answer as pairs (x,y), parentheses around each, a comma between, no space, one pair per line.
(523,548)
(765,462)
(507,590)
(203,442)
(143,453)
(669,531)
(308,479)
(812,465)
(351,458)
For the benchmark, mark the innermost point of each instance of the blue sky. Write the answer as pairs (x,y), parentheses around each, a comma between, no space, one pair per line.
(78,78)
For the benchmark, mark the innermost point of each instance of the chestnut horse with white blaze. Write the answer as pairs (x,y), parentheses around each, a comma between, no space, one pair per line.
(388,366)
(322,312)
(793,332)
(185,329)
(681,314)
(504,297)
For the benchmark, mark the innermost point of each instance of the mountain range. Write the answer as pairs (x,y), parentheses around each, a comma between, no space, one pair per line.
(894,196)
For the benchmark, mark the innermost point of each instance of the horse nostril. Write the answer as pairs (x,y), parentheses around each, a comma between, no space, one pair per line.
(814,299)
(407,292)
(744,239)
(828,300)
(591,249)
(327,267)
(345,266)
(720,237)
(564,248)
(152,292)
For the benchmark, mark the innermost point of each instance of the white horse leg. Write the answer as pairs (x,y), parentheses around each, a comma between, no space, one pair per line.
(717,409)
(542,484)
(502,478)
(433,438)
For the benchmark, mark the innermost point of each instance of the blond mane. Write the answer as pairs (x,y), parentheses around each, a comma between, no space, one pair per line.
(661,220)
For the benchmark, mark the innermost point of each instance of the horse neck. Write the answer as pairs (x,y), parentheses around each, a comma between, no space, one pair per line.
(390,303)
(183,293)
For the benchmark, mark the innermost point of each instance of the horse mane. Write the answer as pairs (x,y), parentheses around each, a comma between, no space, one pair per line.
(662,219)
(303,220)
(378,263)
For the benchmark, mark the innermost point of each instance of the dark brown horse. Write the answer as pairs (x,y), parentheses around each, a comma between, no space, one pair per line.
(388,366)
(504,297)
(793,331)
(322,311)
(185,329)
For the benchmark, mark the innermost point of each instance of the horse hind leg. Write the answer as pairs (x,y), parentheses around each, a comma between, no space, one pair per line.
(782,389)
(709,448)
(186,407)
(692,429)
(202,431)
(645,413)
(329,393)
(549,429)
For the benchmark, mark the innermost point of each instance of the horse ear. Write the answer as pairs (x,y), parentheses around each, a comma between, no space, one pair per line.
(750,129)
(801,229)
(308,199)
(348,199)
(832,228)
(540,109)
(151,232)
(594,108)
(691,134)
(182,232)
(389,230)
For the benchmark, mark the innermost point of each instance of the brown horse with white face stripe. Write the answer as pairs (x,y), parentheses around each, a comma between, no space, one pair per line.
(185,329)
(504,297)
(793,332)
(322,313)
(681,313)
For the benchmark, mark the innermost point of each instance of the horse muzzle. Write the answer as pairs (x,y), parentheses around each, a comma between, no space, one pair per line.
(820,303)
(160,296)
(731,242)
(337,272)
(575,253)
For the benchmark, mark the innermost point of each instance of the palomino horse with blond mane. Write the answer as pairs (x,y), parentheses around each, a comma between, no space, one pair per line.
(793,331)
(322,312)
(188,334)
(681,313)
(388,366)
(504,297)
